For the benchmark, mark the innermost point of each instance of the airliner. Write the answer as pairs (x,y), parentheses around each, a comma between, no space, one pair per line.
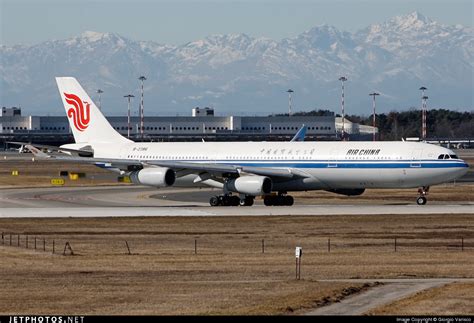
(245,170)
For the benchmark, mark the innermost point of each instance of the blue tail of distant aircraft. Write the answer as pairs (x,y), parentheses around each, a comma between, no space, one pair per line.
(299,136)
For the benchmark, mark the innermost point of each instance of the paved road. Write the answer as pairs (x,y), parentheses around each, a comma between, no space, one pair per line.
(123,201)
(96,196)
(309,210)
(391,291)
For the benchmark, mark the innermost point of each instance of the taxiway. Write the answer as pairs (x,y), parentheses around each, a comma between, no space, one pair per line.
(142,201)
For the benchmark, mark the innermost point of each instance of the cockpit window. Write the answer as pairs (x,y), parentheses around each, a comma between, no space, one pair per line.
(444,156)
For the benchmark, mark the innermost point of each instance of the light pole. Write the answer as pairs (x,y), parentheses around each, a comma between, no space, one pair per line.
(343,79)
(100,92)
(423,112)
(141,78)
(129,97)
(425,98)
(373,105)
(289,101)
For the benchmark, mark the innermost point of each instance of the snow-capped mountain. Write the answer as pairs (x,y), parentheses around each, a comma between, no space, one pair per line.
(239,74)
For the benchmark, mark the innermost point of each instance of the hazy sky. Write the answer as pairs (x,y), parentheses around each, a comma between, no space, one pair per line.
(177,22)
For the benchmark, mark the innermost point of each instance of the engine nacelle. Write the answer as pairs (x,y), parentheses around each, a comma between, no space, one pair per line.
(250,185)
(154,176)
(348,191)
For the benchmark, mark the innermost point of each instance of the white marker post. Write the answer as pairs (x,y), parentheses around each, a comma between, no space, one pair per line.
(299,255)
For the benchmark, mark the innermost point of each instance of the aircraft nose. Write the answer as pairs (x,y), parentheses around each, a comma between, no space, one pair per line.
(464,164)
(464,168)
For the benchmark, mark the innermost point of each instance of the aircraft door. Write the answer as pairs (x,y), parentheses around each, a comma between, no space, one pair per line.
(333,158)
(124,152)
(415,158)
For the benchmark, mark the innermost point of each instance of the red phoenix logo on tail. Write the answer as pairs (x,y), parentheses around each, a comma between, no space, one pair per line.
(80,116)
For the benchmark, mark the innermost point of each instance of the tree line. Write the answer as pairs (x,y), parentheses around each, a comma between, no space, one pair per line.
(441,123)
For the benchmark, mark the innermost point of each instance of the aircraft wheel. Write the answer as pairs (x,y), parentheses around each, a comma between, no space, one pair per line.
(225,200)
(268,201)
(214,201)
(234,201)
(279,201)
(289,200)
(247,201)
(421,200)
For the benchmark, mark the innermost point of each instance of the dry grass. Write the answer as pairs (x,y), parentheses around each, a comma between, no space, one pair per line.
(40,172)
(452,299)
(148,285)
(229,274)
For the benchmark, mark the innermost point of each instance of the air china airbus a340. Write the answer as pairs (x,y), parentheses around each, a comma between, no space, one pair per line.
(244,170)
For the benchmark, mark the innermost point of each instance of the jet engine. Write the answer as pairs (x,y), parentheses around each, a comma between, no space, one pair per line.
(250,185)
(154,176)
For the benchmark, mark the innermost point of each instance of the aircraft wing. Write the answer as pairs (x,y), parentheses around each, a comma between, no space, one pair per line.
(80,152)
(223,169)
(183,168)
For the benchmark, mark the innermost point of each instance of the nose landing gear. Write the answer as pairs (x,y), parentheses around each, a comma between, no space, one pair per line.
(423,191)
(421,200)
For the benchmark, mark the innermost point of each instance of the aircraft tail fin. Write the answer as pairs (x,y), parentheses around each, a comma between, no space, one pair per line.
(87,122)
(300,135)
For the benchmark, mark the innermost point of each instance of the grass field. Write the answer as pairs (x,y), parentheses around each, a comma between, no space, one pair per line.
(229,274)
(39,173)
(452,299)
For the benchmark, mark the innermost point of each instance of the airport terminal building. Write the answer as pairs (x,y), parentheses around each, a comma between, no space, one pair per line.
(202,124)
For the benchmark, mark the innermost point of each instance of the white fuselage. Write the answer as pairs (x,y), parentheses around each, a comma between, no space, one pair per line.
(326,165)
(310,165)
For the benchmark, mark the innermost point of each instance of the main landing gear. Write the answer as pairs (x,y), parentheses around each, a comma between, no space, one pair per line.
(277,200)
(423,191)
(231,200)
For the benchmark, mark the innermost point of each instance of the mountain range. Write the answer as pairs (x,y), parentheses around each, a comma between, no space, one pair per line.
(242,75)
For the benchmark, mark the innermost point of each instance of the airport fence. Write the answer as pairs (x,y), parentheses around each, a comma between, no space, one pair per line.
(36,243)
(162,244)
